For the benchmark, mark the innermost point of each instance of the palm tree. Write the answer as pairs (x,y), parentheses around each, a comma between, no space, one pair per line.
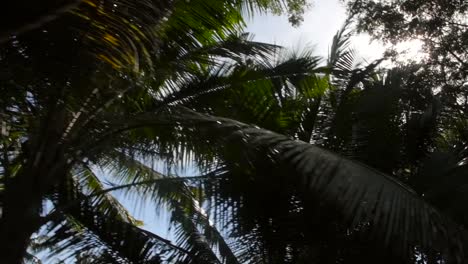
(355,113)
(65,115)
(86,76)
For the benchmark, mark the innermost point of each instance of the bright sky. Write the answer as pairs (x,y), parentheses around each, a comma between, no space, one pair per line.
(323,19)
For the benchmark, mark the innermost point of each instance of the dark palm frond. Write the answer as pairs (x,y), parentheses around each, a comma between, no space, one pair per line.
(342,64)
(253,67)
(377,111)
(342,101)
(118,242)
(367,199)
(271,94)
(256,88)
(31,259)
(123,33)
(377,116)
(30,18)
(195,233)
(185,59)
(105,202)
(200,26)
(189,237)
(314,89)
(341,58)
(95,223)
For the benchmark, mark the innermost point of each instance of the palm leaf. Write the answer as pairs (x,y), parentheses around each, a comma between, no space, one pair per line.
(100,225)
(341,57)
(368,200)
(194,233)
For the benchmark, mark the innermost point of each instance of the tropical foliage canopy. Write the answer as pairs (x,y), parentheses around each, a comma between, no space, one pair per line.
(300,159)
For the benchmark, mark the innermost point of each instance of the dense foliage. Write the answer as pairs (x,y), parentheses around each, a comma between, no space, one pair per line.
(442,26)
(301,159)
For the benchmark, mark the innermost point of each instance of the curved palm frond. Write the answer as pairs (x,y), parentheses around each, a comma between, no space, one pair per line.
(99,225)
(66,93)
(195,233)
(271,91)
(341,57)
(369,201)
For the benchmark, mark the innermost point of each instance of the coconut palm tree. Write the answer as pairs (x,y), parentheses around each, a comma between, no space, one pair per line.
(109,53)
(356,109)
(119,87)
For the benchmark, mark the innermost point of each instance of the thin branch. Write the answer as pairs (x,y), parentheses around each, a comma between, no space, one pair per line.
(456,57)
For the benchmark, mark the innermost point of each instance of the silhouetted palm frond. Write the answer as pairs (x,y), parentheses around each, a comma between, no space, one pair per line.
(369,201)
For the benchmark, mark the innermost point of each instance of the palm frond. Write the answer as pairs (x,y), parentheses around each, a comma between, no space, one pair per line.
(106,203)
(194,233)
(116,242)
(259,90)
(341,57)
(95,223)
(368,200)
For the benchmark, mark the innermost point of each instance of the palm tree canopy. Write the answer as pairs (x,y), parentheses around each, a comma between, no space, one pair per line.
(128,83)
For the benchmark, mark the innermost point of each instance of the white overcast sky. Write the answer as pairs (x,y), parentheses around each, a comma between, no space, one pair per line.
(322,20)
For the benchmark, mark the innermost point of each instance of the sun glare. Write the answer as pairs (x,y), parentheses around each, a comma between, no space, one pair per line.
(410,50)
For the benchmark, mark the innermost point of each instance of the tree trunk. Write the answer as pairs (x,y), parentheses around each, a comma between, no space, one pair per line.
(22,203)
(20,219)
(45,163)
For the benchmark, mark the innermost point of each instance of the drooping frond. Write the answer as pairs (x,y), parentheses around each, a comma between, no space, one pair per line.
(92,221)
(369,201)
(195,233)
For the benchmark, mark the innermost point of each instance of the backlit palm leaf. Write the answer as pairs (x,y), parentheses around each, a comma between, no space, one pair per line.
(195,233)
(369,201)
